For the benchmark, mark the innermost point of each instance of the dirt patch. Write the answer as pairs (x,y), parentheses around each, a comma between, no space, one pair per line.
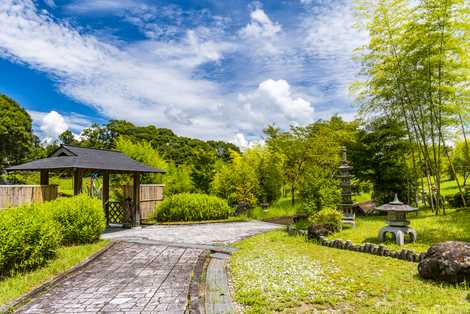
(286,220)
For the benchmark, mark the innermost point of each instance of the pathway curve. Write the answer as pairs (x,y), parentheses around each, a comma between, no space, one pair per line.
(148,271)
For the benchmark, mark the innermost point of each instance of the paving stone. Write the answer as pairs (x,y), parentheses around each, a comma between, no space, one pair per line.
(142,277)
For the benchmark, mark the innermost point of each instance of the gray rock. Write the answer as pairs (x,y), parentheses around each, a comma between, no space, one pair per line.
(448,261)
(317,230)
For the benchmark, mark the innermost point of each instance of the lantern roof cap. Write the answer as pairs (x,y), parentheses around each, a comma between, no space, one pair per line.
(396,206)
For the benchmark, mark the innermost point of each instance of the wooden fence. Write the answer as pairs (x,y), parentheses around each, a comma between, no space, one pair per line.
(150,196)
(15,195)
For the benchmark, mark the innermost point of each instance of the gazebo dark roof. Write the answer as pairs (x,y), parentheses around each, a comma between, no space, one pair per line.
(74,157)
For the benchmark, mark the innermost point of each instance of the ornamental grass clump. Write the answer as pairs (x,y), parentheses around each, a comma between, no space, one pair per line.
(192,207)
(81,218)
(28,238)
(328,217)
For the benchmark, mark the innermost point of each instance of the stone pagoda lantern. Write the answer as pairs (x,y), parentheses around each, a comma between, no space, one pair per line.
(346,205)
(396,221)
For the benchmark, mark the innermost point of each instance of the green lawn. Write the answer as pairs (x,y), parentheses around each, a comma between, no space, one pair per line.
(274,272)
(13,287)
(430,228)
(362,197)
(281,208)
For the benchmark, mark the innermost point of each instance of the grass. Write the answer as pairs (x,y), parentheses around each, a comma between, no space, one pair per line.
(281,208)
(362,197)
(19,284)
(429,227)
(274,272)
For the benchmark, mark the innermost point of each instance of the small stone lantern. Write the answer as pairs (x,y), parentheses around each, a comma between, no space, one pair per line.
(396,221)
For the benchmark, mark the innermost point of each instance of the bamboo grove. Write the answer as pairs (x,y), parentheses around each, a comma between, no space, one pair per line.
(416,70)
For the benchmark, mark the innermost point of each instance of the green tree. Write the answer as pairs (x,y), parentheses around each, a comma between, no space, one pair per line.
(67,138)
(16,136)
(380,156)
(417,70)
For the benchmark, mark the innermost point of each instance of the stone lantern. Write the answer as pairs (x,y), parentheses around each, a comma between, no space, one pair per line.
(396,221)
(346,205)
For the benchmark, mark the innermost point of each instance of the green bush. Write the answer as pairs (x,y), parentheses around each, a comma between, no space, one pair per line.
(81,218)
(456,199)
(28,238)
(192,207)
(330,217)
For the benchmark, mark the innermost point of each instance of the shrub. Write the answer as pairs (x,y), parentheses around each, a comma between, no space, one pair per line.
(192,207)
(28,238)
(330,217)
(81,218)
(456,199)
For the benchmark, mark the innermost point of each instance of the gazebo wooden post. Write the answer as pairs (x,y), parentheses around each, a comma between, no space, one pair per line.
(44,177)
(77,181)
(136,200)
(105,195)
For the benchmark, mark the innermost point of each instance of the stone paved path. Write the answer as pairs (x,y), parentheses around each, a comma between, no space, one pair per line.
(211,233)
(133,277)
(128,278)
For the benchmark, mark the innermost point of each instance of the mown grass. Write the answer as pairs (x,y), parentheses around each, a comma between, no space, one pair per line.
(429,227)
(15,286)
(274,272)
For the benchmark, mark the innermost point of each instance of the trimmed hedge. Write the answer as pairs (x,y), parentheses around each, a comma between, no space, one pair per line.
(192,207)
(30,235)
(28,238)
(81,218)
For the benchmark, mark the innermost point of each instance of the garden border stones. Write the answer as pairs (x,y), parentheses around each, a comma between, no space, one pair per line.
(370,248)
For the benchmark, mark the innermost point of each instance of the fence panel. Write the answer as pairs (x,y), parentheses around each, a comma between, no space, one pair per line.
(16,195)
(150,196)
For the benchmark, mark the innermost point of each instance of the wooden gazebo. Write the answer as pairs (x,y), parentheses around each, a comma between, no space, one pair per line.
(80,161)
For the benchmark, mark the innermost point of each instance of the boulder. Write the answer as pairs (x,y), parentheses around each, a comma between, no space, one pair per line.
(317,230)
(447,261)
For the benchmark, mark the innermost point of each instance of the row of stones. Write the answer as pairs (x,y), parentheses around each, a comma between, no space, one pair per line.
(380,250)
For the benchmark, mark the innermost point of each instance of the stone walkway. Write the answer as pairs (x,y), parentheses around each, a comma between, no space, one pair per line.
(211,233)
(141,276)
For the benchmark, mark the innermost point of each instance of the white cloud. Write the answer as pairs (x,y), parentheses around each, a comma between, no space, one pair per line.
(53,124)
(240,140)
(261,32)
(279,91)
(137,82)
(50,3)
(330,34)
(106,6)
(159,81)
(49,125)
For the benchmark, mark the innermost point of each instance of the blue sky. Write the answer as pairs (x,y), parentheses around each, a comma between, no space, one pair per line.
(209,69)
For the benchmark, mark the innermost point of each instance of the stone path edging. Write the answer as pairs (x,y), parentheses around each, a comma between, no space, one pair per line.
(218,295)
(196,298)
(9,307)
(370,248)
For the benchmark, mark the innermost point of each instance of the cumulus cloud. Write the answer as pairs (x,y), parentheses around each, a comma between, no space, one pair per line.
(279,91)
(53,124)
(274,100)
(261,32)
(240,140)
(49,125)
